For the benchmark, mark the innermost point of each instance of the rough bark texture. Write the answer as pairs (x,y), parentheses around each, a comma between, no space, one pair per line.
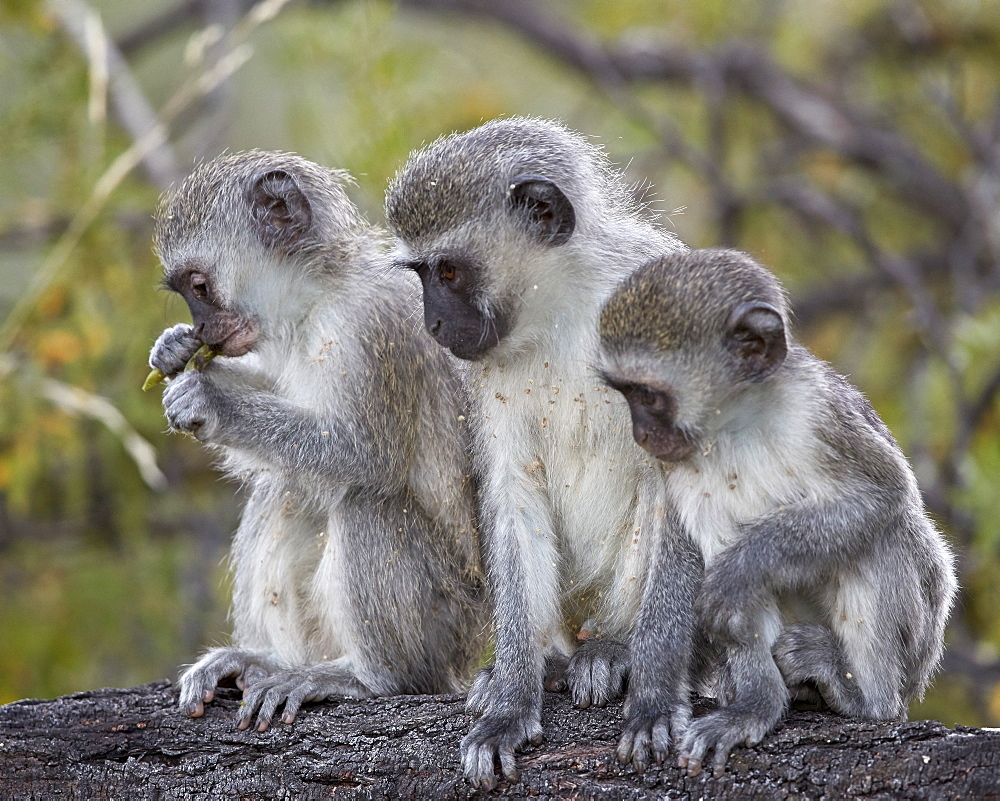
(125,744)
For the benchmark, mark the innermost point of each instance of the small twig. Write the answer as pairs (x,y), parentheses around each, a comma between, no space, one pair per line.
(236,54)
(109,69)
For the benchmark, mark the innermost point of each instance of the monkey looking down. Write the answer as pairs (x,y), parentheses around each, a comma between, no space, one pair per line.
(519,231)
(822,572)
(355,565)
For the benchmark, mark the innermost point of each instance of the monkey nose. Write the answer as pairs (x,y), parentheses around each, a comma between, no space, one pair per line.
(435,327)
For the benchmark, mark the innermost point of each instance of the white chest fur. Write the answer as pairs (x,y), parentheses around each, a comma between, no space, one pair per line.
(740,475)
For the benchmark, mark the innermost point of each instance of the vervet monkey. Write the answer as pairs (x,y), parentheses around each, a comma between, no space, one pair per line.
(822,570)
(355,565)
(519,231)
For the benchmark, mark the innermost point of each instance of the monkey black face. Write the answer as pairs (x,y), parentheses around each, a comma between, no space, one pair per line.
(228,333)
(451,314)
(654,420)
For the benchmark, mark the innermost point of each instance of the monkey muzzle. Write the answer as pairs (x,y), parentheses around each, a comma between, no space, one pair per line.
(666,443)
(228,333)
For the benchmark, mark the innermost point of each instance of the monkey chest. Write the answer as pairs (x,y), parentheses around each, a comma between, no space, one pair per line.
(715,499)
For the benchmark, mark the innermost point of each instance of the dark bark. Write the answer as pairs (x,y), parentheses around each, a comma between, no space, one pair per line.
(134,744)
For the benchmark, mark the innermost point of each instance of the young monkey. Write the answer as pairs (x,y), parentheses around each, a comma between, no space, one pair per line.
(822,570)
(355,566)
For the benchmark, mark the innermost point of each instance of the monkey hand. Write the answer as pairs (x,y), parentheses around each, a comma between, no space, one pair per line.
(173,349)
(295,686)
(727,610)
(725,728)
(650,727)
(498,736)
(198,682)
(193,405)
(597,672)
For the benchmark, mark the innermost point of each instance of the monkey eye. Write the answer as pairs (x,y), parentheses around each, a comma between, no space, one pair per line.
(644,396)
(199,286)
(446,270)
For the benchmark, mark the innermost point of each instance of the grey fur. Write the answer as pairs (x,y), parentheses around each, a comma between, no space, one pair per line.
(823,570)
(355,565)
(568,512)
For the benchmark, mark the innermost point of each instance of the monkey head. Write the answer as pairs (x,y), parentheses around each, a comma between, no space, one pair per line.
(245,240)
(489,220)
(684,337)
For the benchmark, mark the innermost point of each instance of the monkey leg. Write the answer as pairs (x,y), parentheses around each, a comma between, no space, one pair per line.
(198,682)
(597,672)
(759,698)
(812,654)
(295,686)
(658,710)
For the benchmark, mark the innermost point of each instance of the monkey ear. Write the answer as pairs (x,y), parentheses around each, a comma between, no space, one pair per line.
(755,335)
(547,210)
(280,209)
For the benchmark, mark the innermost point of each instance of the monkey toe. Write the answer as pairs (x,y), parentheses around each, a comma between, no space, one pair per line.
(597,672)
(495,738)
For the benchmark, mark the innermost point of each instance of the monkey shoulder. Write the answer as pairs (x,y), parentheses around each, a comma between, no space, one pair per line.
(854,444)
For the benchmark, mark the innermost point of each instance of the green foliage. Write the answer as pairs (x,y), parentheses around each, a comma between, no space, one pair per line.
(81,614)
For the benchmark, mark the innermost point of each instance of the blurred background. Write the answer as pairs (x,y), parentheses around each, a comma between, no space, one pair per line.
(852,145)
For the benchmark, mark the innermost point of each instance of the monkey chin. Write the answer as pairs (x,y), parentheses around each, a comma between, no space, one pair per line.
(239,341)
(667,446)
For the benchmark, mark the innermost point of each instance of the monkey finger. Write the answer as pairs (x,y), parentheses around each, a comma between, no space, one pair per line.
(619,676)
(477,764)
(692,752)
(624,750)
(250,675)
(269,705)
(293,702)
(661,739)
(692,765)
(722,749)
(640,750)
(248,706)
(508,764)
(600,682)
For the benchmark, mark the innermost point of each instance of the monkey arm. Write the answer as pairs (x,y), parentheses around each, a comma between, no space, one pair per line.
(522,561)
(658,707)
(345,448)
(796,545)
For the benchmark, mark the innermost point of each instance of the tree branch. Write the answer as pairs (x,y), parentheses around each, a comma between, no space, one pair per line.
(134,744)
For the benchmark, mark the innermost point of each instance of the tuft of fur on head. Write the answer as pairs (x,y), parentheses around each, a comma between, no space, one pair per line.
(684,299)
(462,177)
(215,198)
